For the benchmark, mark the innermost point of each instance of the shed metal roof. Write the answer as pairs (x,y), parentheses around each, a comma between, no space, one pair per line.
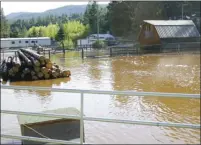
(175,28)
(170,22)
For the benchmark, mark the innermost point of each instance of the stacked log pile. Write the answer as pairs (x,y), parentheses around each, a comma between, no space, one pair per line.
(28,65)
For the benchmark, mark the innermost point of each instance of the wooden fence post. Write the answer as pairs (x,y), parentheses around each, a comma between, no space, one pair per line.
(82,53)
(111,51)
(49,54)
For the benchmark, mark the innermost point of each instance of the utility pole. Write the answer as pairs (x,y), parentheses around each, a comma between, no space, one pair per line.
(97,16)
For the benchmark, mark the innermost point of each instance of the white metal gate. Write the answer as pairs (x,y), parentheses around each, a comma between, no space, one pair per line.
(82,117)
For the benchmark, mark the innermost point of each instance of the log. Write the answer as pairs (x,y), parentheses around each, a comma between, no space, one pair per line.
(17,77)
(42,63)
(58,70)
(34,54)
(66,73)
(47,60)
(15,69)
(47,76)
(44,70)
(34,77)
(5,68)
(69,73)
(26,71)
(60,75)
(28,76)
(37,69)
(11,72)
(5,72)
(24,58)
(22,75)
(49,65)
(16,62)
(33,73)
(2,65)
(40,75)
(23,64)
(9,62)
(54,74)
(34,61)
(56,66)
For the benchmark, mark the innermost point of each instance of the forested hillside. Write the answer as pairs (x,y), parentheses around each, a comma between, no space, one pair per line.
(121,19)
(70,9)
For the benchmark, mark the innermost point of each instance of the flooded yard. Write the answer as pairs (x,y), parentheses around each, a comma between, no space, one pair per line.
(148,73)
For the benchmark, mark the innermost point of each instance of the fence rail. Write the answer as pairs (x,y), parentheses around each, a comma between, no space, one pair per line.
(82,117)
(121,49)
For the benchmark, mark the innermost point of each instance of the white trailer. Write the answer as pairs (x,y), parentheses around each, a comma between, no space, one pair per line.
(24,42)
(84,42)
(94,37)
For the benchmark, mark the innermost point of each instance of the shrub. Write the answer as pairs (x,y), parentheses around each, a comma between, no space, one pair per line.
(98,44)
(68,44)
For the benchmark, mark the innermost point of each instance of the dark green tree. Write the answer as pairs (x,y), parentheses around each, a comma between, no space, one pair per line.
(61,36)
(4,25)
(40,33)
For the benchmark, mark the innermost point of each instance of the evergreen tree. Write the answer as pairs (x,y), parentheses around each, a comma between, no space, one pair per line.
(60,36)
(4,25)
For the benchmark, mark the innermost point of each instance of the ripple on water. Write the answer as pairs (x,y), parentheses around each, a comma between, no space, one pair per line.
(179,74)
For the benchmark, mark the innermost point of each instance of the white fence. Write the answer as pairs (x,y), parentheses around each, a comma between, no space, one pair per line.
(82,117)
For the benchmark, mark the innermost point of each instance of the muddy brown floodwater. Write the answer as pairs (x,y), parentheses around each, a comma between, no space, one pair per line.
(152,73)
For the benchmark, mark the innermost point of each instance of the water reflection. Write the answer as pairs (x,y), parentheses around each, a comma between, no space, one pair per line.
(178,74)
(153,73)
(94,70)
(54,83)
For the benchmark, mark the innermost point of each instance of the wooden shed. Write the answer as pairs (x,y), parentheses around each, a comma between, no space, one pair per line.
(157,32)
(49,127)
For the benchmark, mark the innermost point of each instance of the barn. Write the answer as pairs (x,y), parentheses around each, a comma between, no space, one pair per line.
(160,32)
(24,42)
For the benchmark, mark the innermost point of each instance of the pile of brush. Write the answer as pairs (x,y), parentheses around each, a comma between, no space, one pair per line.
(28,65)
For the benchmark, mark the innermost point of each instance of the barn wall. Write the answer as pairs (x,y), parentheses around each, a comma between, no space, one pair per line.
(152,40)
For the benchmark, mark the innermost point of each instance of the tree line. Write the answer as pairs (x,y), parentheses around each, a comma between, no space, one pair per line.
(120,18)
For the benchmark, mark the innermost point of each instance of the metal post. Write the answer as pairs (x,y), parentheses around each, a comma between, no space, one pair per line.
(82,53)
(178,48)
(110,51)
(49,54)
(127,51)
(81,119)
(3,54)
(182,11)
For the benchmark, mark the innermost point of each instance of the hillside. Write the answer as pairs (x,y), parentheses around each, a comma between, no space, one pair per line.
(70,9)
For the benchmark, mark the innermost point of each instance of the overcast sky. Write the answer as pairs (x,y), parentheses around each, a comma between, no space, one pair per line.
(10,7)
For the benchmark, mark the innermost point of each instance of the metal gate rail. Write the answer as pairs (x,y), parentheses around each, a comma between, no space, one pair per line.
(82,117)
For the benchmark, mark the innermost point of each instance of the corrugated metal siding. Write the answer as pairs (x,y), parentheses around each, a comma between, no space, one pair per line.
(177,31)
